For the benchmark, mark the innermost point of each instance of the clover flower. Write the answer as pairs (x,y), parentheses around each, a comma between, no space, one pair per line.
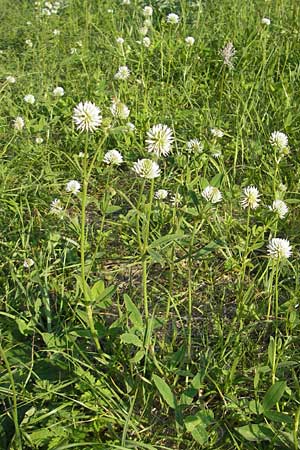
(87,116)
(19,123)
(265,21)
(39,140)
(159,140)
(148,11)
(28,262)
(56,207)
(120,41)
(119,109)
(279,140)
(29,43)
(212,194)
(189,40)
(122,73)
(10,79)
(172,18)
(73,187)
(146,42)
(194,145)
(250,197)
(176,199)
(216,132)
(279,207)
(58,91)
(29,98)
(146,168)
(161,194)
(113,157)
(279,249)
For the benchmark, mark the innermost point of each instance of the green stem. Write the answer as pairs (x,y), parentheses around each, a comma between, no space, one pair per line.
(15,406)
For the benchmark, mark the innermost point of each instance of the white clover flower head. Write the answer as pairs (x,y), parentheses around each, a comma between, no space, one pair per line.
(39,140)
(279,249)
(58,91)
(119,109)
(81,155)
(148,11)
(29,43)
(73,50)
(56,207)
(161,194)
(86,116)
(73,187)
(10,79)
(172,19)
(146,168)
(217,133)
(212,194)
(29,98)
(194,145)
(79,44)
(176,199)
(113,157)
(28,23)
(143,30)
(110,11)
(282,187)
(146,42)
(189,40)
(250,197)
(279,140)
(19,123)
(227,54)
(120,41)
(265,21)
(130,126)
(122,73)
(28,262)
(56,32)
(159,140)
(280,208)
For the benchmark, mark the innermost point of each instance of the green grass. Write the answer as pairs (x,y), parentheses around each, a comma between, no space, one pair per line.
(143,324)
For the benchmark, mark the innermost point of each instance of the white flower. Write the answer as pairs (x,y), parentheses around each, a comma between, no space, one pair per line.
(216,132)
(172,18)
(279,248)
(29,99)
(123,73)
(143,30)
(148,11)
(250,197)
(189,41)
(212,194)
(279,140)
(130,126)
(161,194)
(279,207)
(39,140)
(56,207)
(146,168)
(10,79)
(159,140)
(113,157)
(126,2)
(265,21)
(58,91)
(56,32)
(28,23)
(176,199)
(120,41)
(87,116)
(228,53)
(73,187)
(146,42)
(28,262)
(29,43)
(119,109)
(73,50)
(19,123)
(194,145)
(110,11)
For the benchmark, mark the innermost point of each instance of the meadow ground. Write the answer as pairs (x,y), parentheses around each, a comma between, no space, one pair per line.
(149,226)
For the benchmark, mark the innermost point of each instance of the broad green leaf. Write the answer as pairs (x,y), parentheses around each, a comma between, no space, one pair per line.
(217,180)
(200,435)
(130,338)
(134,314)
(277,416)
(165,391)
(256,432)
(273,395)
